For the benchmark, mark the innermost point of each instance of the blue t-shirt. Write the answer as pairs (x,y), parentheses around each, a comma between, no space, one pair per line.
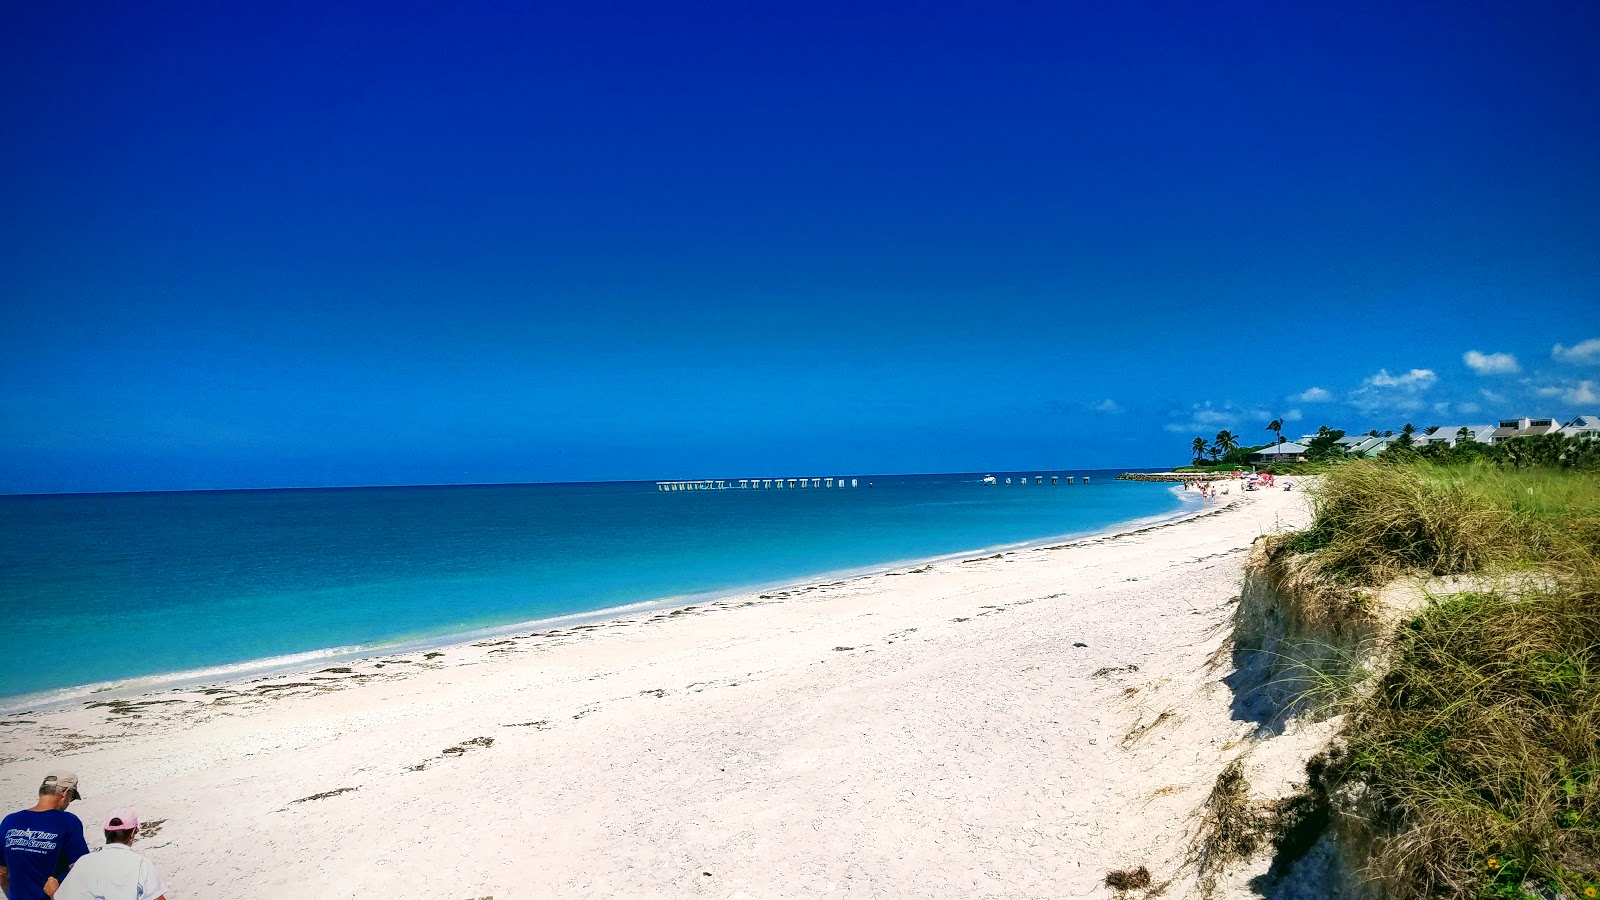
(40,846)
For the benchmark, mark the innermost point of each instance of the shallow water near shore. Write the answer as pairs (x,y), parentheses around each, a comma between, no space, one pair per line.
(128,586)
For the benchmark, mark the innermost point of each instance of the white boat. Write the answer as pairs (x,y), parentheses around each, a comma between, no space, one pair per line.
(988,479)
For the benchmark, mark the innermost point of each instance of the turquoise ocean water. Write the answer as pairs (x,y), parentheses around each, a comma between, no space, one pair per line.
(118,587)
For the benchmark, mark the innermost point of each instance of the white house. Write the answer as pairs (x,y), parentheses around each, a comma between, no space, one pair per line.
(1370,446)
(1288,450)
(1448,435)
(1582,427)
(1523,427)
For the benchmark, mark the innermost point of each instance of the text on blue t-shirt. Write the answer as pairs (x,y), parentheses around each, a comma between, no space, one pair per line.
(40,846)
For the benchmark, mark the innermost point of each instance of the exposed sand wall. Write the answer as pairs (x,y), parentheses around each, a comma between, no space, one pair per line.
(1300,639)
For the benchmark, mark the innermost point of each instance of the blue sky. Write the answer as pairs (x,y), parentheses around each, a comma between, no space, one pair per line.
(401,243)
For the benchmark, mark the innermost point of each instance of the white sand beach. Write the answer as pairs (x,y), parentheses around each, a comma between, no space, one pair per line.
(1007,726)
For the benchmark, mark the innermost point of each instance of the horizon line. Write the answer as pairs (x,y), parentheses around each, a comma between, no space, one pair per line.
(536,484)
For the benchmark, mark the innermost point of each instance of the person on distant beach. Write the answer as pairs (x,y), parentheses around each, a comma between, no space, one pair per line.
(42,843)
(115,872)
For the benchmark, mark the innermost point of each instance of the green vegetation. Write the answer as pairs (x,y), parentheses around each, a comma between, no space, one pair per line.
(1557,451)
(1474,761)
(1481,747)
(1547,450)
(1225,452)
(1374,521)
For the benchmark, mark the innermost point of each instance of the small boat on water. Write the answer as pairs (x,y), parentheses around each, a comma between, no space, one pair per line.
(988,479)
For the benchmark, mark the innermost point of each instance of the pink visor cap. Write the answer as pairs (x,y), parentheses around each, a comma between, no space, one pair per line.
(122,820)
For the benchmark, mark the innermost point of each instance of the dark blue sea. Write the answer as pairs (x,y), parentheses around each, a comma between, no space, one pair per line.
(145,589)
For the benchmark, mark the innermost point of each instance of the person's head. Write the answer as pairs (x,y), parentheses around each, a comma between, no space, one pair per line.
(58,790)
(121,826)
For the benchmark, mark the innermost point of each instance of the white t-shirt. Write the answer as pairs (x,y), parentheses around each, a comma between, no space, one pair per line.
(114,872)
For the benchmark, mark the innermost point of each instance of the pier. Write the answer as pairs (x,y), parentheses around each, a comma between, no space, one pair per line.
(1174,476)
(836,482)
(760,484)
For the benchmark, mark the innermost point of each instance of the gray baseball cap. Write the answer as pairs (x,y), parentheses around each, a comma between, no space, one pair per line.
(59,780)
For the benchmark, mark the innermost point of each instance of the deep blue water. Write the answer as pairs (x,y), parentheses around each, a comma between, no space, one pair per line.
(109,587)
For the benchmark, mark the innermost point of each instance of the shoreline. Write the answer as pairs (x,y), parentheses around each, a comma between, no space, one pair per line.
(302,662)
(1008,725)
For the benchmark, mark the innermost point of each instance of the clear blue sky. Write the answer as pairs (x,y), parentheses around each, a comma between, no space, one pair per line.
(274,244)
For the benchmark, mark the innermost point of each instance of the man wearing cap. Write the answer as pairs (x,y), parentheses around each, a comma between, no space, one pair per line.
(114,872)
(42,843)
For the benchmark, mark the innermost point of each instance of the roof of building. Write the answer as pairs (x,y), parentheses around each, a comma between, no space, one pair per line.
(1287,448)
(1372,445)
(1536,425)
(1448,433)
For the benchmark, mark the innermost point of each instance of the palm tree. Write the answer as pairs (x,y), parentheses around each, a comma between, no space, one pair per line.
(1406,433)
(1464,435)
(1199,448)
(1276,427)
(1226,441)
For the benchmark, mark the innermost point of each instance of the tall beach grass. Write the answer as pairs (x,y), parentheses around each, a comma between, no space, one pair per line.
(1475,759)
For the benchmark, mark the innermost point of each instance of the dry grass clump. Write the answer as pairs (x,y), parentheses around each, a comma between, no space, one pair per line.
(1232,828)
(1128,879)
(1481,748)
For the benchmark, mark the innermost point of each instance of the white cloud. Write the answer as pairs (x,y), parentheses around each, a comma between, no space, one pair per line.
(1107,405)
(1442,408)
(1292,415)
(1416,379)
(1468,408)
(1492,396)
(1203,418)
(1549,391)
(1384,392)
(1491,363)
(1583,393)
(1583,353)
(1313,395)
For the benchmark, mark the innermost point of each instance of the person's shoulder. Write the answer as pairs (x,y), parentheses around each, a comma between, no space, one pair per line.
(59,817)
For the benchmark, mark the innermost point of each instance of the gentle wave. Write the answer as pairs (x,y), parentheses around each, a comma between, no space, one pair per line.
(266,577)
(285,664)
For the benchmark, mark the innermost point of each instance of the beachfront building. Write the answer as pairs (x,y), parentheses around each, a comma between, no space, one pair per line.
(1288,451)
(1582,427)
(1369,446)
(1450,435)
(1523,427)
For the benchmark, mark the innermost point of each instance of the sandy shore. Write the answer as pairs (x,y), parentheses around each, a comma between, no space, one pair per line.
(1009,726)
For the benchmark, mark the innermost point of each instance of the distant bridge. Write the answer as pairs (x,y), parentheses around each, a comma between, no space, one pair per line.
(757,484)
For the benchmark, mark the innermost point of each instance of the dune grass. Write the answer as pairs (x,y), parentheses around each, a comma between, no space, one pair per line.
(1476,758)
(1480,747)
(1374,521)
